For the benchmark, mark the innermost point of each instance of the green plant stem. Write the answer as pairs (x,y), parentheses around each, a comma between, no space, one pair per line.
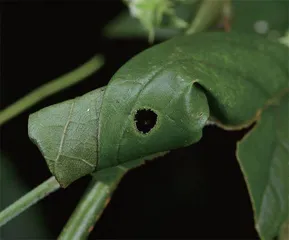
(93,203)
(87,212)
(208,12)
(51,87)
(35,195)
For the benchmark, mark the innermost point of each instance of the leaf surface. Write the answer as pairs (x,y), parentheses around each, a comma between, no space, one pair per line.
(264,158)
(186,76)
(66,135)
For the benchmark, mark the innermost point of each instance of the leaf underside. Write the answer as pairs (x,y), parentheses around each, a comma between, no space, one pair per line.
(66,135)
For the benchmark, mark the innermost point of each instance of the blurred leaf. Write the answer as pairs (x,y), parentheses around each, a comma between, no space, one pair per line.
(171,24)
(12,188)
(201,14)
(150,13)
(284,232)
(267,18)
(285,39)
(124,26)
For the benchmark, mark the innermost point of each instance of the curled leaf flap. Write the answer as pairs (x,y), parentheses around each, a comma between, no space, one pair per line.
(66,134)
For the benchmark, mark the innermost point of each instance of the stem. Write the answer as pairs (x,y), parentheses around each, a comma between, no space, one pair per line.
(208,12)
(93,203)
(86,213)
(35,195)
(51,87)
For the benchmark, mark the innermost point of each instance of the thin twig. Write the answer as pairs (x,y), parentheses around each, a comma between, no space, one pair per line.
(87,213)
(51,87)
(92,204)
(34,196)
(208,12)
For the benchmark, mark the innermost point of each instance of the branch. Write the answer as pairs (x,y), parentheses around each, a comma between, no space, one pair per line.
(92,204)
(208,12)
(51,87)
(35,195)
(87,212)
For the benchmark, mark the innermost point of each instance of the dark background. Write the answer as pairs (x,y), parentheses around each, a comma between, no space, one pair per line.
(194,192)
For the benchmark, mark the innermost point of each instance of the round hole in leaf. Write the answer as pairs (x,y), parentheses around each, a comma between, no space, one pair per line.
(145,120)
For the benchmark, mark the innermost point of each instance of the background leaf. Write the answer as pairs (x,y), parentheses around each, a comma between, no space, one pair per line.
(266,18)
(126,26)
(264,158)
(150,13)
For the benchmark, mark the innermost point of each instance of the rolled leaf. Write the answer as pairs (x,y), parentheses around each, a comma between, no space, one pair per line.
(162,98)
(66,135)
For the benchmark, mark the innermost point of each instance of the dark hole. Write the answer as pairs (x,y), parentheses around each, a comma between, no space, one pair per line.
(145,120)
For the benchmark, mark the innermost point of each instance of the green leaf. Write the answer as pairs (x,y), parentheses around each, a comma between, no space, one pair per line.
(166,80)
(231,70)
(264,158)
(160,100)
(67,134)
